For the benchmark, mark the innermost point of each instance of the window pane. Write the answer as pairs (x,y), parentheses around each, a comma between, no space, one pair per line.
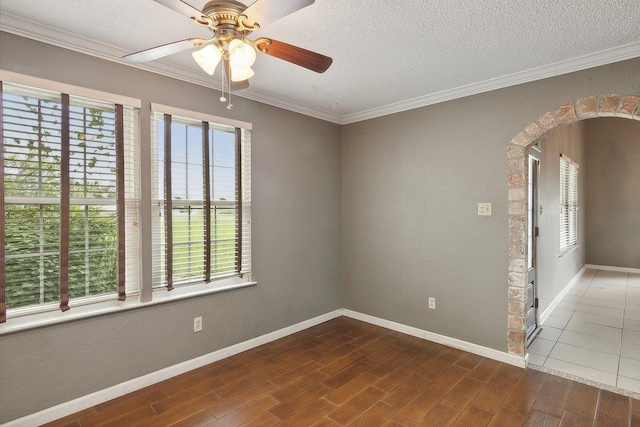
(33,251)
(224,186)
(223,148)
(32,145)
(92,250)
(186,162)
(188,243)
(92,153)
(223,165)
(223,240)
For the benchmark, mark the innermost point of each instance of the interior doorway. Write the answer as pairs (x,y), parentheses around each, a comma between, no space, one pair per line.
(589,304)
(612,105)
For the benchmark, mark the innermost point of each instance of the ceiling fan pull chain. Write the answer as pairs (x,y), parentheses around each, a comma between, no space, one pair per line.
(222,98)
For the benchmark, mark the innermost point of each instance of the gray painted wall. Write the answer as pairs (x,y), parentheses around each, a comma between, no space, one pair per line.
(296,222)
(555,270)
(613,181)
(410,187)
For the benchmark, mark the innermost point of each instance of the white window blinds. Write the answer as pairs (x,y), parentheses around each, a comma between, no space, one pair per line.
(202,199)
(568,203)
(65,205)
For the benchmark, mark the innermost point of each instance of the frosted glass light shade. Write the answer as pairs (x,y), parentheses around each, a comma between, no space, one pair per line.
(241,54)
(208,58)
(241,74)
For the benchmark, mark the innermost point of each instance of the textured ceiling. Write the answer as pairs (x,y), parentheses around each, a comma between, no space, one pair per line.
(388,56)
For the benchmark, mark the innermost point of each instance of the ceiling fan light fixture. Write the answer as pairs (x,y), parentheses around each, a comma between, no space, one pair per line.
(208,58)
(241,74)
(231,22)
(241,55)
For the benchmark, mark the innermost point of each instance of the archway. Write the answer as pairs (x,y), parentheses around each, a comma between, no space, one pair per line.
(517,168)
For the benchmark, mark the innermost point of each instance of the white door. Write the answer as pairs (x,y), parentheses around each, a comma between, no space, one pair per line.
(532,237)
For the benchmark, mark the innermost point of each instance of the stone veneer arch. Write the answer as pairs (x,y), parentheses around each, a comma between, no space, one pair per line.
(517,166)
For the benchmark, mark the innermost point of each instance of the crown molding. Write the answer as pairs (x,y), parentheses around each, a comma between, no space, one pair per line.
(603,57)
(56,37)
(50,35)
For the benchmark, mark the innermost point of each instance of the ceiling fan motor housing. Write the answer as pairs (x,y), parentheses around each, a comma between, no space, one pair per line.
(221,16)
(223,11)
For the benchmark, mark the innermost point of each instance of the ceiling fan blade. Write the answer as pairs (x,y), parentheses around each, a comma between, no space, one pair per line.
(235,86)
(266,11)
(296,55)
(159,51)
(181,7)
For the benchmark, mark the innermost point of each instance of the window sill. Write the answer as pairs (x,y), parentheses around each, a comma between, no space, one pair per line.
(160,296)
(568,250)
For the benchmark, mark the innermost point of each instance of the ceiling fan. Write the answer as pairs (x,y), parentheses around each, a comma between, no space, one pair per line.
(231,22)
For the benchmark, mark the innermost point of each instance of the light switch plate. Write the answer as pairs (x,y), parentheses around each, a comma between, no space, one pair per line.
(485,209)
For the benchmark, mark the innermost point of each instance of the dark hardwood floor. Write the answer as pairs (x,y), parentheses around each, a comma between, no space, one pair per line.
(346,372)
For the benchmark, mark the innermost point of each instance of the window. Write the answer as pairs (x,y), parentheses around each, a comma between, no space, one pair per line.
(69,190)
(568,203)
(71,194)
(202,199)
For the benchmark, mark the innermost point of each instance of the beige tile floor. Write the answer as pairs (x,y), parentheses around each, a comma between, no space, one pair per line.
(594,333)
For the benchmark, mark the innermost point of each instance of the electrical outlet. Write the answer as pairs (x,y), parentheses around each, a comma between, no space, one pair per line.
(197,324)
(432,303)
(485,209)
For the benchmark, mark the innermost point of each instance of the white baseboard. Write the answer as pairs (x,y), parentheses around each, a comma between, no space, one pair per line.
(84,402)
(440,339)
(610,268)
(561,295)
